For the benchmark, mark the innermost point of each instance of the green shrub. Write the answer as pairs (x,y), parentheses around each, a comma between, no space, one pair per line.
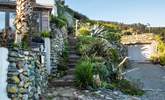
(155,58)
(162,58)
(45,34)
(83,49)
(97,59)
(60,21)
(83,31)
(159,56)
(112,37)
(107,85)
(84,44)
(86,39)
(113,55)
(127,87)
(101,69)
(84,74)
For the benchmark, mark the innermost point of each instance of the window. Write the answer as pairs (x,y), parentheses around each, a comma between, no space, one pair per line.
(2,21)
(6,0)
(7,20)
(36,23)
(12,16)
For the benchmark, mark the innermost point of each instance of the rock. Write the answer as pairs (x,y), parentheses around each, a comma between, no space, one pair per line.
(108,98)
(80,97)
(13,54)
(26,85)
(11,59)
(26,53)
(12,89)
(25,73)
(21,84)
(12,65)
(27,77)
(19,65)
(15,79)
(25,97)
(115,92)
(12,70)
(20,96)
(20,70)
(22,90)
(10,74)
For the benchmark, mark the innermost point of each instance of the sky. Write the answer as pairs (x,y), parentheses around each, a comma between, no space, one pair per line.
(125,11)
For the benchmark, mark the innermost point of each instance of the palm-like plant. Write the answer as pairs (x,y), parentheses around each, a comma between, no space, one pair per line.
(24,12)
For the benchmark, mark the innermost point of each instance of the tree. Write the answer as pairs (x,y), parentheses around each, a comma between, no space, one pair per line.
(24,12)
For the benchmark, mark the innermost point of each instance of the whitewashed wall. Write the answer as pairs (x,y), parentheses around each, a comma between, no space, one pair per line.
(3,73)
(45,2)
(48,3)
(140,53)
(47,50)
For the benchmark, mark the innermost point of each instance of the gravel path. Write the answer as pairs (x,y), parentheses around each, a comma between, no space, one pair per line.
(149,77)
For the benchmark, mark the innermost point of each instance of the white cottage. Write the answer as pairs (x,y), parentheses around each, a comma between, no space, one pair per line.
(140,47)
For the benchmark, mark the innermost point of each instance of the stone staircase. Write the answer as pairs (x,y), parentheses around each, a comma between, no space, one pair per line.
(68,79)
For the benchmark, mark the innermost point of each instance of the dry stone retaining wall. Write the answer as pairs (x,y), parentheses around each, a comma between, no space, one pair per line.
(27,77)
(57,46)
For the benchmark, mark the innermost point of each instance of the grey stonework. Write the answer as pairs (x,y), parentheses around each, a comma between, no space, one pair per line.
(27,77)
(57,46)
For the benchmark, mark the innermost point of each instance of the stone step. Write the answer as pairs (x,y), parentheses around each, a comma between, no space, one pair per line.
(71,65)
(71,71)
(68,77)
(54,71)
(73,47)
(61,83)
(74,56)
(70,39)
(72,52)
(73,61)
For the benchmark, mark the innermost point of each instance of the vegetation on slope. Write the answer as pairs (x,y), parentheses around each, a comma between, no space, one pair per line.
(101,52)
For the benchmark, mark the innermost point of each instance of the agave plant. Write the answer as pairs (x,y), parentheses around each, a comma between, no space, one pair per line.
(97,30)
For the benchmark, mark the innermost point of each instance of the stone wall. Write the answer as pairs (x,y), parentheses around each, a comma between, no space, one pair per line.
(57,46)
(27,77)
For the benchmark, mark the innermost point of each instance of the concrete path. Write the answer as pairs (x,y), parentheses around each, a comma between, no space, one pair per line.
(150,77)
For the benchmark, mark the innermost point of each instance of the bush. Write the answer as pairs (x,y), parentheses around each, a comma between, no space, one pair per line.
(60,21)
(107,85)
(84,74)
(45,34)
(101,69)
(113,55)
(155,59)
(83,49)
(112,37)
(86,39)
(127,87)
(162,58)
(159,56)
(84,44)
(83,31)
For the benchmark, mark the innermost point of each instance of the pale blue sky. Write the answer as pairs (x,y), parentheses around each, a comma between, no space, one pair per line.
(126,11)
